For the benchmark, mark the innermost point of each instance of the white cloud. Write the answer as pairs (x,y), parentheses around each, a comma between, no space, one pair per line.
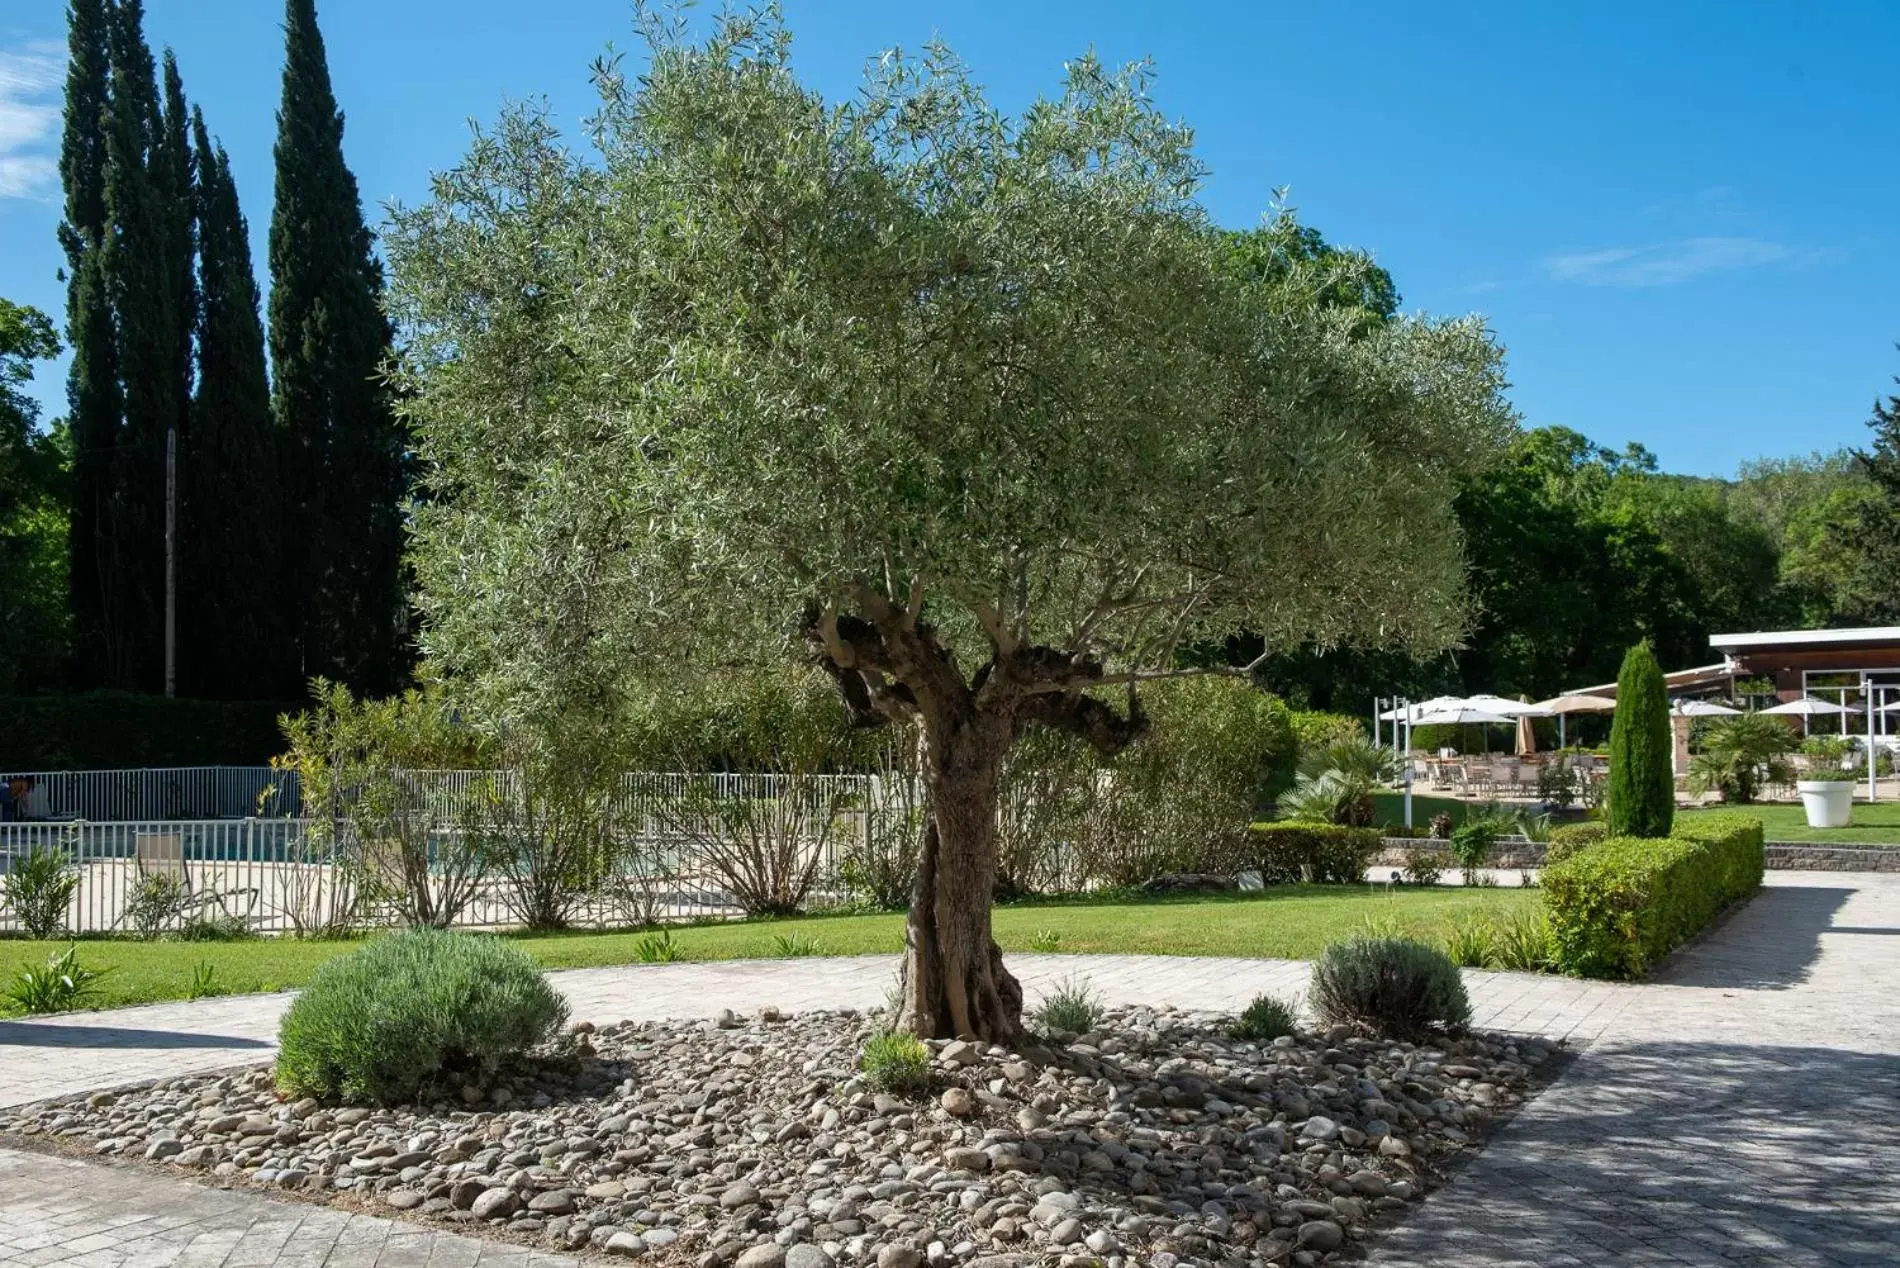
(30,78)
(1665,263)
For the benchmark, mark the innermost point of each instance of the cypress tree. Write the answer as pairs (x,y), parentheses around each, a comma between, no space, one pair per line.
(92,385)
(232,637)
(139,269)
(174,181)
(1642,795)
(1880,522)
(343,471)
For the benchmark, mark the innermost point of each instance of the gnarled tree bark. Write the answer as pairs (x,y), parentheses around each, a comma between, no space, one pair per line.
(889,665)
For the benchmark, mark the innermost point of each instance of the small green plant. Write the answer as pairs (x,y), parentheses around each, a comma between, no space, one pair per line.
(204,981)
(1267,1018)
(1471,941)
(1441,826)
(1827,750)
(892,1062)
(658,948)
(1045,940)
(1425,867)
(1834,775)
(1521,941)
(795,946)
(223,927)
(1071,1008)
(1394,987)
(38,889)
(156,903)
(1557,783)
(62,983)
(1383,925)
(414,1014)
(1471,844)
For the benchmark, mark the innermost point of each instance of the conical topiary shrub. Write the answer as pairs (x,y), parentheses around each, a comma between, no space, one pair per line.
(1642,793)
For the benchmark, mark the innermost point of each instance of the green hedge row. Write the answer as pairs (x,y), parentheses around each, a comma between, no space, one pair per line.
(1567,839)
(108,730)
(1620,905)
(1287,853)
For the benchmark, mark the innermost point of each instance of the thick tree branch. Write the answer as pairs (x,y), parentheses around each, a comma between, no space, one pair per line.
(1105,731)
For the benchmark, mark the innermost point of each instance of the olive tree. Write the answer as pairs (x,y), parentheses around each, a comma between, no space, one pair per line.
(969,408)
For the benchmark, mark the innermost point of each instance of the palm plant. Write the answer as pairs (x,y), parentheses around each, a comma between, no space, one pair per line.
(1337,780)
(1739,755)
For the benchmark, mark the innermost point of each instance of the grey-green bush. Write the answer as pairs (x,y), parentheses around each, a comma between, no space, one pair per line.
(411,1013)
(1394,987)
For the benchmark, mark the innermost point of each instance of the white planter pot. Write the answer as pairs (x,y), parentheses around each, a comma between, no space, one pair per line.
(1829,802)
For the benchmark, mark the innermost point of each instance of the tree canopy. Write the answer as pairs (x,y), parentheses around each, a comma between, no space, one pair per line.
(971,405)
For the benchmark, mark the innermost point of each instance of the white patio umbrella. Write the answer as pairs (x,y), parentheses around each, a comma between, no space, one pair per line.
(1582,702)
(1809,707)
(1507,707)
(1460,713)
(1422,706)
(1458,716)
(1701,709)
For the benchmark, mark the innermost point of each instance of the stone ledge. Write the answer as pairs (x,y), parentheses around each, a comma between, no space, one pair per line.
(1810,856)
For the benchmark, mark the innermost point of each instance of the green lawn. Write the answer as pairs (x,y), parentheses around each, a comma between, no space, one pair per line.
(1875,824)
(1290,922)
(1389,808)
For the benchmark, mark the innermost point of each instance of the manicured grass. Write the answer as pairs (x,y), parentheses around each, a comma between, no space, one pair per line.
(1289,922)
(1877,823)
(1389,808)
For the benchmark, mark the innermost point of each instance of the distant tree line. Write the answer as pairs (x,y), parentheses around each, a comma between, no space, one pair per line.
(1576,551)
(293,480)
(290,481)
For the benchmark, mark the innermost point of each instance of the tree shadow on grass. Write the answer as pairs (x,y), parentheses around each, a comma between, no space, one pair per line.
(1689,1153)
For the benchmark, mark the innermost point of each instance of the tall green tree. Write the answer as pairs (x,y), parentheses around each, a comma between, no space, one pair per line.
(969,409)
(344,466)
(233,638)
(35,627)
(1641,800)
(142,277)
(94,404)
(1881,518)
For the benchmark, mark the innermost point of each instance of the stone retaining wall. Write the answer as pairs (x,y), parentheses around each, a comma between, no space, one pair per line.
(1805,856)
(1801,856)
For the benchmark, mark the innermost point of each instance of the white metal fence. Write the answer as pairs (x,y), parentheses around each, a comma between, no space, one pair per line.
(173,792)
(682,847)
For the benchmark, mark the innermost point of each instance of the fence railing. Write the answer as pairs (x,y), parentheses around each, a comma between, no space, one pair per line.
(240,792)
(146,793)
(680,847)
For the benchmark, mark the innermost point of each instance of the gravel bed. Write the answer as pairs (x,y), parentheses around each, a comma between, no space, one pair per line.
(1155,1139)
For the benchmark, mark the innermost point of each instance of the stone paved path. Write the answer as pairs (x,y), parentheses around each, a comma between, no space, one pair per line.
(1741,1109)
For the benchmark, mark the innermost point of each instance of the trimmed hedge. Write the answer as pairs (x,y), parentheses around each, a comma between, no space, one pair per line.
(1568,838)
(1284,853)
(109,730)
(1619,906)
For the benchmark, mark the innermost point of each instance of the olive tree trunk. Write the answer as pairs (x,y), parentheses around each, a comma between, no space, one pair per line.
(954,983)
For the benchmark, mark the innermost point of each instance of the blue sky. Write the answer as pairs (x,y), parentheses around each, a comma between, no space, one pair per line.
(1682,220)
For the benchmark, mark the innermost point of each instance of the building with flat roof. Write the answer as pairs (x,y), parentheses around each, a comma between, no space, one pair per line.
(1825,663)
